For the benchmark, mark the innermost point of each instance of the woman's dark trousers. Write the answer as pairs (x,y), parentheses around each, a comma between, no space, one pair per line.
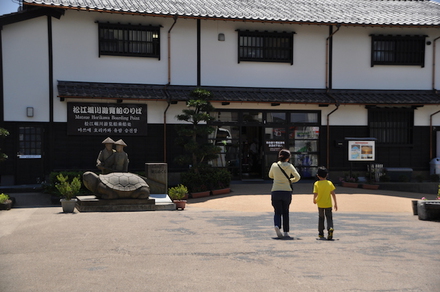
(281,202)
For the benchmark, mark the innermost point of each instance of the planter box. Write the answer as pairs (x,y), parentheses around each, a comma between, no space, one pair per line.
(221,191)
(180,204)
(6,206)
(349,184)
(68,205)
(200,194)
(428,209)
(414,207)
(370,187)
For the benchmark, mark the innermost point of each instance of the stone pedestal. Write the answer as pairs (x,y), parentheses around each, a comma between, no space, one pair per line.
(93,204)
(156,202)
(157,175)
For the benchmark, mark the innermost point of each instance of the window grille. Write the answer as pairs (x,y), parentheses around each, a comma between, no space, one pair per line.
(129,40)
(30,140)
(391,126)
(265,46)
(397,50)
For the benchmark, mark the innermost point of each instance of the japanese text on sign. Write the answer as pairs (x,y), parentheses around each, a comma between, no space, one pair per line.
(105,119)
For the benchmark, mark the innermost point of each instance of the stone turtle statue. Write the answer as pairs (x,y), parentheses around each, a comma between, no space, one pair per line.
(117,185)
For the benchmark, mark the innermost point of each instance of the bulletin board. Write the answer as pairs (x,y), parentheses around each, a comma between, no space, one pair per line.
(361,150)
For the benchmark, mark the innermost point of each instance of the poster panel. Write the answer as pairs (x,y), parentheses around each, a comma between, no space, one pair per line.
(361,150)
(106,119)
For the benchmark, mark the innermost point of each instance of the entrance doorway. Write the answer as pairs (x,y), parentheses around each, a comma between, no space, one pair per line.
(252,152)
(251,139)
(29,155)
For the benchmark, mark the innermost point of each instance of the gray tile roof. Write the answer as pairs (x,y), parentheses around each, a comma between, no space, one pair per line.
(127,91)
(395,97)
(345,12)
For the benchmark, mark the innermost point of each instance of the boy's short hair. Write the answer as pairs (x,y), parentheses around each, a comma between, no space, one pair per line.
(322,172)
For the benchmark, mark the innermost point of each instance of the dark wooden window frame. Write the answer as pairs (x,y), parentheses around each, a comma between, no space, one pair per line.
(391,126)
(30,140)
(117,39)
(258,46)
(398,50)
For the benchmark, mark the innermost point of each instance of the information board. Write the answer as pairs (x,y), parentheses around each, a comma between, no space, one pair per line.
(361,150)
(106,119)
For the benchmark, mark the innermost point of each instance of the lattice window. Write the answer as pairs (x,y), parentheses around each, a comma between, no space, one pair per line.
(30,141)
(391,126)
(129,40)
(397,50)
(265,46)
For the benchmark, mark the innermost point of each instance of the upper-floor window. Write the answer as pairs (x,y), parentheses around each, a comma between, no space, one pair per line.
(391,126)
(265,46)
(397,50)
(129,40)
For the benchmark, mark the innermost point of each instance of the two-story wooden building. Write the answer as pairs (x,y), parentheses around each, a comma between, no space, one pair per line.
(304,75)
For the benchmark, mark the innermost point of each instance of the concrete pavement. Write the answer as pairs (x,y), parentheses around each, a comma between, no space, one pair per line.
(213,245)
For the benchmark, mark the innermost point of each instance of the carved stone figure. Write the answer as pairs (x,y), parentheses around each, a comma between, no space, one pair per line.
(104,161)
(120,158)
(117,185)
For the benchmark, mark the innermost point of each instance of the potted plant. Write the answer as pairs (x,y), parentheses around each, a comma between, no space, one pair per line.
(5,202)
(68,190)
(178,194)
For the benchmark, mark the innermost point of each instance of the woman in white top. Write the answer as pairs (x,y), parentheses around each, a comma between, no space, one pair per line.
(281,190)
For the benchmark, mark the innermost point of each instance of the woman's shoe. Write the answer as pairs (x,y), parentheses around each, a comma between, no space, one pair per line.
(278,231)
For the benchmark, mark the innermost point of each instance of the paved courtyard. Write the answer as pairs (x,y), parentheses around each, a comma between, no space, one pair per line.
(224,243)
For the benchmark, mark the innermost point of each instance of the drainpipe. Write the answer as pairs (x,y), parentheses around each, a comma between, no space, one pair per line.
(165,126)
(430,135)
(327,76)
(49,156)
(327,55)
(167,94)
(328,128)
(433,63)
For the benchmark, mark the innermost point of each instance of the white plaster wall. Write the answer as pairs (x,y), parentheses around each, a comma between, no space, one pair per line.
(76,58)
(345,115)
(220,64)
(25,70)
(422,115)
(352,62)
(76,55)
(183,51)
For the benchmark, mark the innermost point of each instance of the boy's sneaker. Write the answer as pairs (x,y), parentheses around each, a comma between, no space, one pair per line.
(278,231)
(330,234)
(321,236)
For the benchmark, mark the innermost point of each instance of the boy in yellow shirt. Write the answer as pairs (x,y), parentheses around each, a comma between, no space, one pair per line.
(323,191)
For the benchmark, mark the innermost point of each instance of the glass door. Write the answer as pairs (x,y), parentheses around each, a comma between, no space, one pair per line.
(303,142)
(29,154)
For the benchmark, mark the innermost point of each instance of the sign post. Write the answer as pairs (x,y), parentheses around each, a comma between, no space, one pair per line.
(361,150)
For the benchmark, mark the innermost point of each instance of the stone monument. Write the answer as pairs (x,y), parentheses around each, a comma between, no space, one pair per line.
(157,177)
